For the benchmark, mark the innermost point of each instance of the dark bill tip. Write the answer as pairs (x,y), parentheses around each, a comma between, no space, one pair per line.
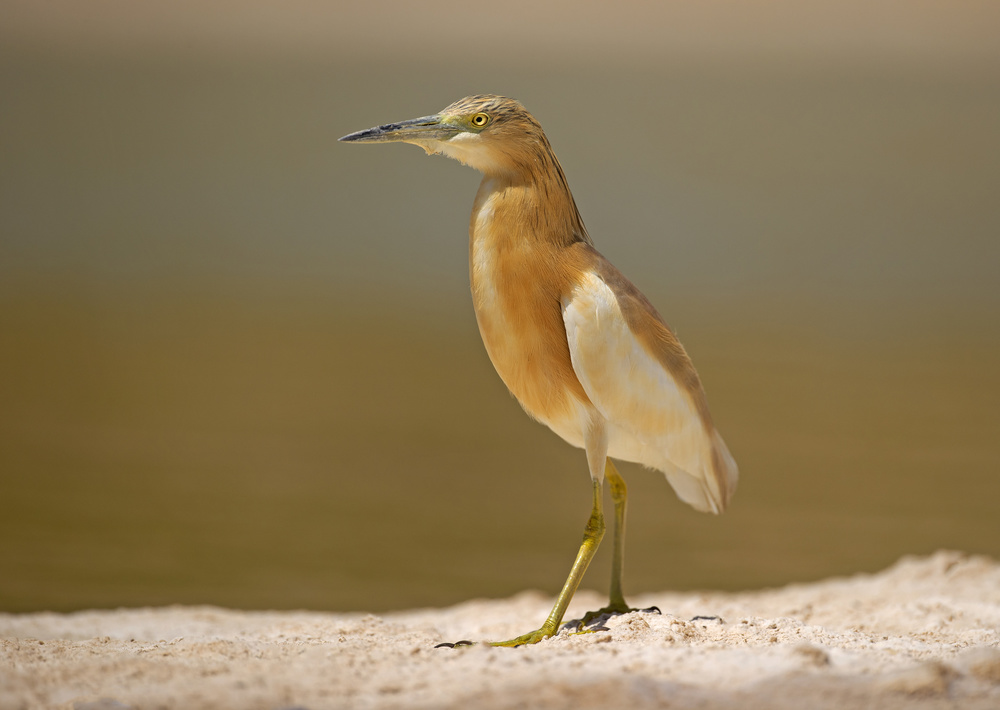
(424,128)
(369,134)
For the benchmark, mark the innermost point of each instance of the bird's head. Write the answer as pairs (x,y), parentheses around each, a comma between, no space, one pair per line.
(493,134)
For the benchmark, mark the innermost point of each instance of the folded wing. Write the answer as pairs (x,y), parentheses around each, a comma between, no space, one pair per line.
(640,379)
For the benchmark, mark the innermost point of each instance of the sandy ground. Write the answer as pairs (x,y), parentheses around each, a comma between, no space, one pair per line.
(924,633)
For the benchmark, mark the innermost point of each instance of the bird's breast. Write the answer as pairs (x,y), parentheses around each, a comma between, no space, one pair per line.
(517,286)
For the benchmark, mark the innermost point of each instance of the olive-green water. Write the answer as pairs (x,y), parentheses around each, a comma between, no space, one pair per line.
(239,366)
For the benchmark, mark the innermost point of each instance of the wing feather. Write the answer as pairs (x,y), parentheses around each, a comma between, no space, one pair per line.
(640,379)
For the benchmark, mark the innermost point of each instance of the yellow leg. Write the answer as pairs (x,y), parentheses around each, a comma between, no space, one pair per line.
(619,495)
(592,535)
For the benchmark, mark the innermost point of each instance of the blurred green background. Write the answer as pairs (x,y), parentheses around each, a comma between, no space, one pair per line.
(239,363)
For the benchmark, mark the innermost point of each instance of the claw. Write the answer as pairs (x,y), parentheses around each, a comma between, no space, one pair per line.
(592,630)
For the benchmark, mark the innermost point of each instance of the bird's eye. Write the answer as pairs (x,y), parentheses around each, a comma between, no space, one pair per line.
(480,120)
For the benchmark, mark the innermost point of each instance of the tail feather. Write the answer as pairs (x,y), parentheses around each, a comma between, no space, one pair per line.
(711,491)
(726,472)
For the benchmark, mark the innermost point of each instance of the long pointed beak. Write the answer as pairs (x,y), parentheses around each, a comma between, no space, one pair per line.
(416,130)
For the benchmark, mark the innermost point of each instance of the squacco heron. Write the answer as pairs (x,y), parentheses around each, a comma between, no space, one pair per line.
(577,344)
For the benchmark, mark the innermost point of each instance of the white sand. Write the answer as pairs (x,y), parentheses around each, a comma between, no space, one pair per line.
(923,634)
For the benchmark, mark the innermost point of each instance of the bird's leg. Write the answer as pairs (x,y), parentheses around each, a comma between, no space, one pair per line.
(592,535)
(619,496)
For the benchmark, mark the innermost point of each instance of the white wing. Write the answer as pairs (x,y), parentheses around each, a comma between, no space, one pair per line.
(653,416)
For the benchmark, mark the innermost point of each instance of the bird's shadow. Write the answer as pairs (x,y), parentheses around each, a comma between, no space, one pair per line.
(597,623)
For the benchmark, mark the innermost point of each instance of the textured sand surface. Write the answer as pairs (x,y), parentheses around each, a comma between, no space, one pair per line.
(924,633)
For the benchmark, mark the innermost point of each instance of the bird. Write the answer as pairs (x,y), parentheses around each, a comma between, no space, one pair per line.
(576,343)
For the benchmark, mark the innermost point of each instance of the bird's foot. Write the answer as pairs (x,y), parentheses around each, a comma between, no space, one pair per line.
(612,609)
(533,637)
